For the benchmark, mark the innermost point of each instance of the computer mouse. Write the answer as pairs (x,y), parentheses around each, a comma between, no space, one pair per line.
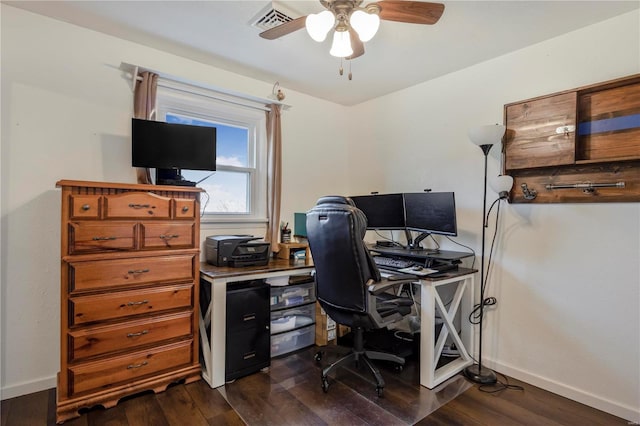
(417,268)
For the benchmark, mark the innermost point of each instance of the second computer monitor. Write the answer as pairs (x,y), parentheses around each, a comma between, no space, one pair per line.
(431,212)
(383,211)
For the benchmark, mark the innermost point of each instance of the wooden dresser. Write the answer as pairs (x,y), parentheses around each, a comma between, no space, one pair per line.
(129,291)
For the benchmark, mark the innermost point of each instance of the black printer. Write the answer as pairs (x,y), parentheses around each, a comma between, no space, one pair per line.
(236,250)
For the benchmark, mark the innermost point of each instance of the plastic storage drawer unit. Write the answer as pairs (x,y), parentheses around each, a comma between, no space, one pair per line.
(288,319)
(288,342)
(293,295)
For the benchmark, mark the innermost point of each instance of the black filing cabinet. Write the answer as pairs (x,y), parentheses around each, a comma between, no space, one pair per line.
(248,338)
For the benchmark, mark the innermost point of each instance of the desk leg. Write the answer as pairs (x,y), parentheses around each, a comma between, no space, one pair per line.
(430,375)
(427,334)
(213,345)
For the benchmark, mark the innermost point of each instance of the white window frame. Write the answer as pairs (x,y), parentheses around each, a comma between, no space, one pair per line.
(183,99)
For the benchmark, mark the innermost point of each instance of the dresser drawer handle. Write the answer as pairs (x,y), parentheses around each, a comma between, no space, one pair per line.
(130,366)
(185,209)
(142,302)
(249,355)
(168,237)
(139,206)
(103,238)
(249,317)
(143,332)
(137,271)
(86,207)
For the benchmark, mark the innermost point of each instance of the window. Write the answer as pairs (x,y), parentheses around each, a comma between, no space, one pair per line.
(236,191)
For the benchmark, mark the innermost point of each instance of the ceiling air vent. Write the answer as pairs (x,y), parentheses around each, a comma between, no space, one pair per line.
(271,16)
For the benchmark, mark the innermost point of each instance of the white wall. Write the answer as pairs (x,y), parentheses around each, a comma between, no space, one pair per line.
(66,110)
(566,275)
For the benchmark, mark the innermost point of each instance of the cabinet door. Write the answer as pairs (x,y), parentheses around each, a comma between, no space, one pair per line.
(541,132)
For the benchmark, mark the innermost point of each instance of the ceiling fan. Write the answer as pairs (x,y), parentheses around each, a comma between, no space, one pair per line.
(354,24)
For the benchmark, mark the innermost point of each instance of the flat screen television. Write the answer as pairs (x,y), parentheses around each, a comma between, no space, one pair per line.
(430,213)
(169,148)
(383,211)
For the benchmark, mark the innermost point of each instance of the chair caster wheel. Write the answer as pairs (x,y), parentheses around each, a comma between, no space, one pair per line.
(379,390)
(318,356)
(325,384)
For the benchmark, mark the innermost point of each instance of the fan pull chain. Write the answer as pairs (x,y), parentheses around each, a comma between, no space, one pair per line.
(350,75)
(341,70)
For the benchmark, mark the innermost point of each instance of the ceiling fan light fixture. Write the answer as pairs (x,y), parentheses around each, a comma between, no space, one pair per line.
(319,24)
(365,24)
(341,46)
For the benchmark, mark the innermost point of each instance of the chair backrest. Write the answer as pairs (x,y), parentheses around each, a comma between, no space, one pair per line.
(335,230)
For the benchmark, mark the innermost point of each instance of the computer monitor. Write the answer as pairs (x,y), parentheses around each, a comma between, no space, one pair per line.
(170,147)
(430,213)
(383,211)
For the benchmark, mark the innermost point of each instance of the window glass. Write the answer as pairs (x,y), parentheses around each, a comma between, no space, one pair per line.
(236,191)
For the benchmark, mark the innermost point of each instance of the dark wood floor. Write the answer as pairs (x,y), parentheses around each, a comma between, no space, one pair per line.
(289,393)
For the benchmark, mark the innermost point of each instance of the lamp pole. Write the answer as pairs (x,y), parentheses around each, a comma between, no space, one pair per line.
(476,372)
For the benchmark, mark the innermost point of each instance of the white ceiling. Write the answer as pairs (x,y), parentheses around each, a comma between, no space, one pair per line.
(400,55)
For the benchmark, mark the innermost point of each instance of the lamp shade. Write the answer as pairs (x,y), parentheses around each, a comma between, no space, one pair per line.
(502,184)
(486,135)
(319,24)
(341,46)
(365,24)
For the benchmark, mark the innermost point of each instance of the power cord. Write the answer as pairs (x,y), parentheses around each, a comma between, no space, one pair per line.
(472,251)
(478,309)
(204,207)
(500,386)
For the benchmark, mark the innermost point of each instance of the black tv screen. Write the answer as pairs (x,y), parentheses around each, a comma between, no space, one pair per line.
(160,145)
(383,211)
(431,212)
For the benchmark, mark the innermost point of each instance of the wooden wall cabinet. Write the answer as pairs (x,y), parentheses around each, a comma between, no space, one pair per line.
(129,291)
(580,145)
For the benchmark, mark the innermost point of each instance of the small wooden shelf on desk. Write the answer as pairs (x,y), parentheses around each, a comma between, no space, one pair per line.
(287,249)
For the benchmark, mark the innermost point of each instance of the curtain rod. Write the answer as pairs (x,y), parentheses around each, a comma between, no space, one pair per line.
(212,92)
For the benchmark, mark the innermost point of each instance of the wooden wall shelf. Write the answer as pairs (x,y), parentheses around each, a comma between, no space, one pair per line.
(588,135)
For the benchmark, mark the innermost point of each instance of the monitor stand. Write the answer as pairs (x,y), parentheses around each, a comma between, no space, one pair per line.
(171,177)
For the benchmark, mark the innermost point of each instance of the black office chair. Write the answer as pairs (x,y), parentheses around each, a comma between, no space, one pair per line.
(349,286)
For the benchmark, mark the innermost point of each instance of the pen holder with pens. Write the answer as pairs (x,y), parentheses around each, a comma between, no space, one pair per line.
(285,235)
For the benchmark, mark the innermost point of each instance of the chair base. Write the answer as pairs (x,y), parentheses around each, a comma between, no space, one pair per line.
(357,354)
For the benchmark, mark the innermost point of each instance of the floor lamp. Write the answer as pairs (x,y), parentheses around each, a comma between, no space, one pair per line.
(485,137)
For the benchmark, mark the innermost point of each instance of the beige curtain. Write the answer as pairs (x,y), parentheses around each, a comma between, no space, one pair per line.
(274,175)
(144,106)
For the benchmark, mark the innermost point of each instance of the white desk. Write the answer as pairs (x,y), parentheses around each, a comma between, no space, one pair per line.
(215,315)
(212,344)
(431,349)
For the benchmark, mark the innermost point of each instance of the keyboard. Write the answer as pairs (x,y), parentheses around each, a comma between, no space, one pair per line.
(391,263)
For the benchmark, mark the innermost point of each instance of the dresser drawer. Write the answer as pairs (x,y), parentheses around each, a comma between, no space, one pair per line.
(184,208)
(99,340)
(91,237)
(132,271)
(136,205)
(84,206)
(107,306)
(101,375)
(168,235)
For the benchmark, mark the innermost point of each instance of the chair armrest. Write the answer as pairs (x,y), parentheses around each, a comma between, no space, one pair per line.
(382,286)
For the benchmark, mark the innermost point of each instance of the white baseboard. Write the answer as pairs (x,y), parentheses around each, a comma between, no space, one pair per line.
(25,388)
(629,413)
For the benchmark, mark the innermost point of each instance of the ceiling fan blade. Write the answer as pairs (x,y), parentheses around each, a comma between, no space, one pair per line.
(413,12)
(356,44)
(284,29)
